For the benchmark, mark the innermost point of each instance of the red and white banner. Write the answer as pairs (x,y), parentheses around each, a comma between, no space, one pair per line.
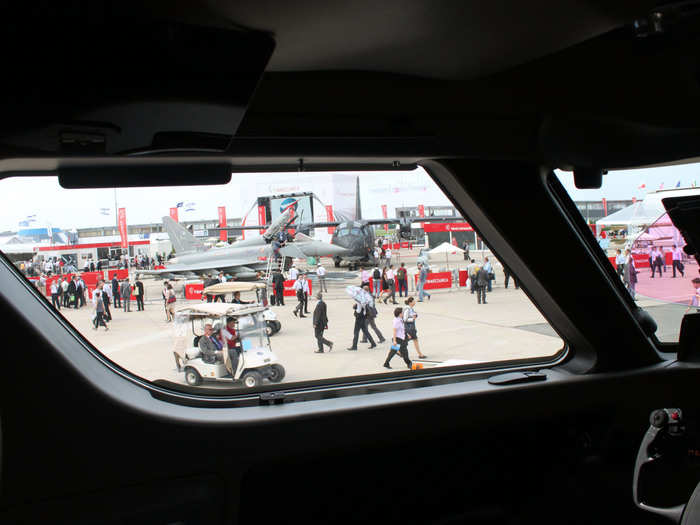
(173,214)
(431,227)
(194,290)
(605,208)
(384,215)
(223,234)
(122,228)
(261,218)
(329,217)
(289,290)
(421,213)
(437,280)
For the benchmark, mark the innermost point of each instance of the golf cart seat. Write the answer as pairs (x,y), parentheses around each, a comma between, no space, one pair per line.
(193,353)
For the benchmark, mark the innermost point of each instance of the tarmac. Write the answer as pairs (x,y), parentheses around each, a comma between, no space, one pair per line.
(451,325)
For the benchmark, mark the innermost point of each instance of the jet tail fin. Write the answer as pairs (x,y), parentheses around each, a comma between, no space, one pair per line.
(182,240)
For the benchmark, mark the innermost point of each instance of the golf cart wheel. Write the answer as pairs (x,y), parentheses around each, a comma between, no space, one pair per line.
(252,379)
(192,377)
(277,374)
(269,328)
(277,326)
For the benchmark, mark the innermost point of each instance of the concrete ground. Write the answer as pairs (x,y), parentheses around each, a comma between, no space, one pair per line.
(450,326)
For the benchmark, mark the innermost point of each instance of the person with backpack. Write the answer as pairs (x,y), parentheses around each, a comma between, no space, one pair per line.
(377,281)
(402,277)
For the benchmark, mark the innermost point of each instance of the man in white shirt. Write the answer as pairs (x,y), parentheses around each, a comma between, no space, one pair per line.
(293,273)
(387,256)
(54,295)
(677,257)
(377,253)
(299,288)
(64,291)
(620,263)
(48,267)
(489,272)
(321,274)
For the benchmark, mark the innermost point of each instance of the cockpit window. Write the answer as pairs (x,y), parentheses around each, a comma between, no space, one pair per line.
(127,267)
(628,218)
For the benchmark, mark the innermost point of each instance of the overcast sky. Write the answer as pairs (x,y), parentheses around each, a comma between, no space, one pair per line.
(623,185)
(21,197)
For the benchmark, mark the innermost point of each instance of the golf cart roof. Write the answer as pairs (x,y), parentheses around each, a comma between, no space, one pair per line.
(234,286)
(219,309)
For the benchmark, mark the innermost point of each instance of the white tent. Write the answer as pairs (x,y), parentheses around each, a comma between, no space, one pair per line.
(638,215)
(446,248)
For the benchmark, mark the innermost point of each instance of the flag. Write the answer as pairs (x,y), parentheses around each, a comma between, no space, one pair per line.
(678,184)
(179,204)
(642,186)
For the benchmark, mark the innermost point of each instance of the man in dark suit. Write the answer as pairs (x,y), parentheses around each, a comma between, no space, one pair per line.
(115,293)
(320,321)
(278,282)
(138,285)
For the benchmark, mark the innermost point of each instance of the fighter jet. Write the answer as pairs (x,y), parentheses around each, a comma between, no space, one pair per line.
(242,259)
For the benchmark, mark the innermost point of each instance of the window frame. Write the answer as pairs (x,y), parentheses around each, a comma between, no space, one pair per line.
(449,183)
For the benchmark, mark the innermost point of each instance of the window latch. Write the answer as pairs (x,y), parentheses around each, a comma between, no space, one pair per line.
(514,378)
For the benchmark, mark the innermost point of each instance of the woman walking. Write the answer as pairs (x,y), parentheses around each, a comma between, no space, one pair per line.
(398,340)
(99,310)
(409,319)
(385,287)
(170,302)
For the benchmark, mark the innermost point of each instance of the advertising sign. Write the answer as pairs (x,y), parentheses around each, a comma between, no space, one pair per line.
(173,214)
(386,226)
(261,217)
(430,227)
(194,290)
(122,229)
(223,234)
(301,205)
(437,280)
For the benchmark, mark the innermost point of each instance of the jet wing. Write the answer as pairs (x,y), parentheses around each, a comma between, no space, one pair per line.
(403,220)
(218,264)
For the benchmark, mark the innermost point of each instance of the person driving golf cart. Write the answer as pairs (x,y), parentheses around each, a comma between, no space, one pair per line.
(210,346)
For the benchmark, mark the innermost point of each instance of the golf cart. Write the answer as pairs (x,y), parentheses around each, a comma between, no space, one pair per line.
(271,322)
(256,360)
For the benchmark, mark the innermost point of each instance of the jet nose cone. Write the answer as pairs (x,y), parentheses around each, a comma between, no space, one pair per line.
(334,249)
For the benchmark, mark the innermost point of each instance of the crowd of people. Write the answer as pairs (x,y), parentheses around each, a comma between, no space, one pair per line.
(115,293)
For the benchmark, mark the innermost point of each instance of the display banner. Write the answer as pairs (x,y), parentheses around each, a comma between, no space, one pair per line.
(173,214)
(223,234)
(261,218)
(122,229)
(329,217)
